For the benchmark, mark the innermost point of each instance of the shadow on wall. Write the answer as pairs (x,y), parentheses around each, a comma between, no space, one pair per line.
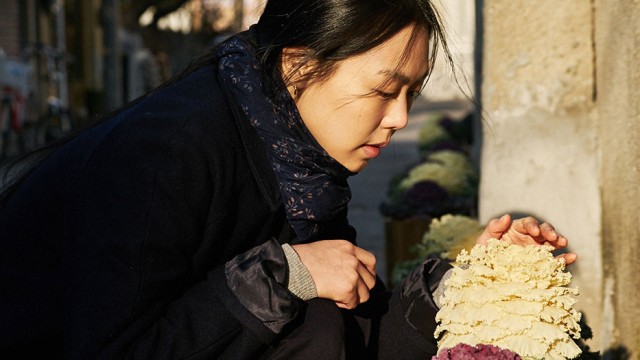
(617,353)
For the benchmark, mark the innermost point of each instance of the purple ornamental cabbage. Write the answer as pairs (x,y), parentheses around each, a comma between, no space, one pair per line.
(425,192)
(478,352)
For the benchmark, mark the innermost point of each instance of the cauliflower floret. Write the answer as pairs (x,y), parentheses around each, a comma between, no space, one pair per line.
(511,296)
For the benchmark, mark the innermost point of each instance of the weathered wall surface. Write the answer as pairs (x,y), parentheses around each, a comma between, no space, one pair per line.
(617,39)
(540,153)
(459,15)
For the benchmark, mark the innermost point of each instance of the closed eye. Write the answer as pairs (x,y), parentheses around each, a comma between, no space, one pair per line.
(414,94)
(385,95)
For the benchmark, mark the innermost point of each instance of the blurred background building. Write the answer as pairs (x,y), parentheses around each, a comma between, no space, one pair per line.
(558,135)
(114,50)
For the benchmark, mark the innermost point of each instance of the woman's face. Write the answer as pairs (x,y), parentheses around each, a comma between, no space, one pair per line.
(355,111)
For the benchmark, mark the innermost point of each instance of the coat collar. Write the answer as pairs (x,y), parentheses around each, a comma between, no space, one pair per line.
(256,156)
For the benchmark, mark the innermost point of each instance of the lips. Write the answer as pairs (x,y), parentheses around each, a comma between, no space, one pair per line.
(373,150)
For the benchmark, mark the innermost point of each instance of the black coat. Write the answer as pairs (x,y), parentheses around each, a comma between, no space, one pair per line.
(155,235)
(117,243)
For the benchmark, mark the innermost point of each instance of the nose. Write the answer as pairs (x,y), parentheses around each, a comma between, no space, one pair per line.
(397,115)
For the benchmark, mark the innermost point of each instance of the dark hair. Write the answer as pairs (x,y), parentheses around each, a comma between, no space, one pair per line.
(334,30)
(331,31)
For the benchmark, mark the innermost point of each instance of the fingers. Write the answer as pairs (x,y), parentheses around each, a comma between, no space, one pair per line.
(366,277)
(562,241)
(360,295)
(342,305)
(526,231)
(548,232)
(495,228)
(367,259)
(341,271)
(528,225)
(358,289)
(498,226)
(550,236)
(569,258)
(366,281)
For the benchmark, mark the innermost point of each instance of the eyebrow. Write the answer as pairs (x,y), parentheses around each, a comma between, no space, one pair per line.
(399,76)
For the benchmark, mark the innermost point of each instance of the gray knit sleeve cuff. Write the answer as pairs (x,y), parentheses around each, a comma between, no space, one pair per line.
(438,294)
(300,282)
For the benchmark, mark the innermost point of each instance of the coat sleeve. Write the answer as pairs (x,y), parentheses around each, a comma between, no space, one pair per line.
(210,321)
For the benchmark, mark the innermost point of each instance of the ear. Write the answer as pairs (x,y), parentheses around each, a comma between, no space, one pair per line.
(295,66)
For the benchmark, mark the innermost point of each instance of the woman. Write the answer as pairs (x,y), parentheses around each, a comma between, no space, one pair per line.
(208,218)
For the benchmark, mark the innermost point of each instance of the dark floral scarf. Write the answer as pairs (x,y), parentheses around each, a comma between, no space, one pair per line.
(313,185)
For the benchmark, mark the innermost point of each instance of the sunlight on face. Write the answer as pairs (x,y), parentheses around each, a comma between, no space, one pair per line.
(355,111)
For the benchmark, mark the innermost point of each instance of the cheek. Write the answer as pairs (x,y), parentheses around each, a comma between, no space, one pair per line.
(341,118)
(368,116)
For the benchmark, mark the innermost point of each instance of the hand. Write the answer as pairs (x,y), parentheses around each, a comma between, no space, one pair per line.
(526,231)
(341,271)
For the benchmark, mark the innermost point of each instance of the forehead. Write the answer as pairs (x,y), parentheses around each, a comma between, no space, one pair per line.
(404,58)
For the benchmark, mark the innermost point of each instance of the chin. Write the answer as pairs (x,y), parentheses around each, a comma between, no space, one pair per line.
(356,168)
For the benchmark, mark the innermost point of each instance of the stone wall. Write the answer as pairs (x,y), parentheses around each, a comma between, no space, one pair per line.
(561,91)
(458,15)
(540,147)
(617,44)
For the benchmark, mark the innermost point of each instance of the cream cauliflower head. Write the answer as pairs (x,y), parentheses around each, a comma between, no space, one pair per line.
(449,234)
(511,296)
(449,169)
